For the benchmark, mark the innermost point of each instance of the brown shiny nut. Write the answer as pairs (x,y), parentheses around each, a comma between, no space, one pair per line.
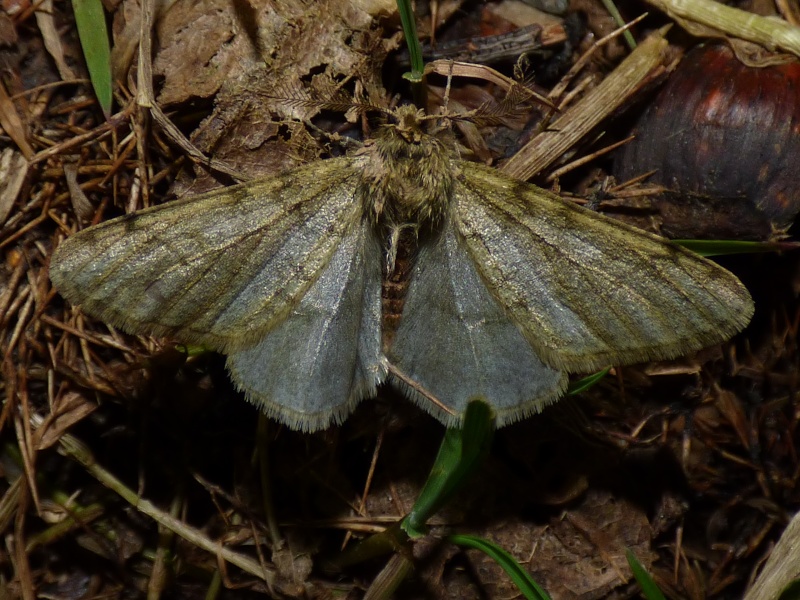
(722,130)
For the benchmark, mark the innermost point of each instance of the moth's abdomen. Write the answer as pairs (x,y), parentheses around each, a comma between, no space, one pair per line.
(395,287)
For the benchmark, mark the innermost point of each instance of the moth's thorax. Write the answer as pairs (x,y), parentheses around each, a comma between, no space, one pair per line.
(408,176)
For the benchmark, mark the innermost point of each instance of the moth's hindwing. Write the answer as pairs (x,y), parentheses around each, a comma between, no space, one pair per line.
(313,368)
(456,341)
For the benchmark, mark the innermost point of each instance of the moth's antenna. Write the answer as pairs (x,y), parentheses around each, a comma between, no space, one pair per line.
(446,98)
(325,97)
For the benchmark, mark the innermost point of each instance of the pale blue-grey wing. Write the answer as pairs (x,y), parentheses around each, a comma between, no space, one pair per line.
(313,368)
(219,269)
(586,290)
(456,342)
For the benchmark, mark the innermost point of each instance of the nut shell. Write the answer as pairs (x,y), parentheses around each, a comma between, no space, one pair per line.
(723,130)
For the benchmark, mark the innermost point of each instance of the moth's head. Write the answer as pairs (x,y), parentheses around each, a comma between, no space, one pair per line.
(407,122)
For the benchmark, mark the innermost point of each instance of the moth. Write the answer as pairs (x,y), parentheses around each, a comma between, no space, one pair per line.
(512,287)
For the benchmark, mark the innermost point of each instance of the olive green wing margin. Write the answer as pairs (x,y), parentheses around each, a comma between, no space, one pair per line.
(588,291)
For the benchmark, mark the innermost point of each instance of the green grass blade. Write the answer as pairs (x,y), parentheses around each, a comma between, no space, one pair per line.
(462,450)
(414,48)
(720,247)
(613,11)
(93,34)
(584,384)
(521,578)
(649,588)
(791,591)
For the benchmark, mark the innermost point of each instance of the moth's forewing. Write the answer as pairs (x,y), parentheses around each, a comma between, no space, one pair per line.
(282,274)
(218,269)
(588,291)
(313,368)
(457,342)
